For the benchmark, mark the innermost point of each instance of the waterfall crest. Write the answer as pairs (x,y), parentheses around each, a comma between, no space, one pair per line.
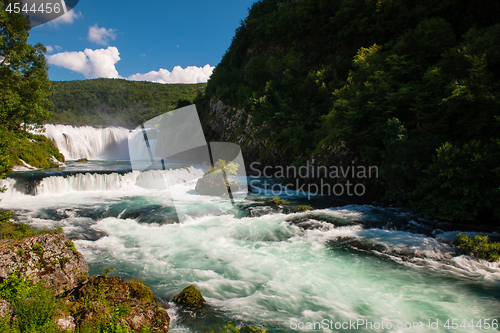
(93,143)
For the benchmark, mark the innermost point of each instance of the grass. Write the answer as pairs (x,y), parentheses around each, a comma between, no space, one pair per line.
(71,246)
(11,230)
(480,247)
(36,150)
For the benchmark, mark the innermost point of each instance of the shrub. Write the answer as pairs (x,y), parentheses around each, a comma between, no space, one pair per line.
(278,201)
(304,208)
(480,247)
(34,305)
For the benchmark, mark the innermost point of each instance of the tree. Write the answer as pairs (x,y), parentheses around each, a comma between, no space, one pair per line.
(24,84)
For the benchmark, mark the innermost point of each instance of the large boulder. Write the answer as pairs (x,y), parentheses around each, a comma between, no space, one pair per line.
(131,304)
(50,257)
(190,296)
(213,183)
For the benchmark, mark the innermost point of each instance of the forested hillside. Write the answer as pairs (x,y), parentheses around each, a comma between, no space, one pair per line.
(116,101)
(410,86)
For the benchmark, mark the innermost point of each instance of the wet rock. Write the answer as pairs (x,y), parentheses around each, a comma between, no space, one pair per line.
(190,296)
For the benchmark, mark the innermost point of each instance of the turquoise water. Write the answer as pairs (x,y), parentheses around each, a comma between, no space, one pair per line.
(256,265)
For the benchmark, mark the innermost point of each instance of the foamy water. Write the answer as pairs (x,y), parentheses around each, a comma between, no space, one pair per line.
(276,269)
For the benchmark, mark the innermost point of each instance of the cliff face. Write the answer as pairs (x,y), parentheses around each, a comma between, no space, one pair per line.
(231,124)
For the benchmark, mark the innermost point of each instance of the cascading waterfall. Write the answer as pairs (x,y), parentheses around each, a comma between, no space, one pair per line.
(94,182)
(75,142)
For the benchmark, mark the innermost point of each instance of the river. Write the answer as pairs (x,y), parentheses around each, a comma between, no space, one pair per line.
(257,264)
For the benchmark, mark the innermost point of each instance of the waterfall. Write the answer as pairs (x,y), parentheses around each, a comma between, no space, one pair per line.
(93,143)
(17,187)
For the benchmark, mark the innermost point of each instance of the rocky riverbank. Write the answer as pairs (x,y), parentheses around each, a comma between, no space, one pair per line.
(47,271)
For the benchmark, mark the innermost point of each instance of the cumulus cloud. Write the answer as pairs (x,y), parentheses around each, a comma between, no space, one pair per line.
(90,63)
(101,36)
(67,18)
(190,74)
(49,48)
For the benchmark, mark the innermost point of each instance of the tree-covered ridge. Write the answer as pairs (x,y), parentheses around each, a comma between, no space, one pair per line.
(409,86)
(116,101)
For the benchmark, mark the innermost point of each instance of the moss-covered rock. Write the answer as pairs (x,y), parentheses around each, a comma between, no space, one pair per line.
(190,296)
(106,301)
(84,159)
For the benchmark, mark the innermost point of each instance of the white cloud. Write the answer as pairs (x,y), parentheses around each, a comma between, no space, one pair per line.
(101,36)
(67,18)
(51,49)
(91,63)
(190,74)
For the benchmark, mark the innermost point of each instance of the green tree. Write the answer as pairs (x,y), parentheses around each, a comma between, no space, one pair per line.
(24,84)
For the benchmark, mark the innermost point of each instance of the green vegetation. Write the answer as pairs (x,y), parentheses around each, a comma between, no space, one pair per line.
(24,96)
(82,160)
(140,291)
(480,247)
(304,208)
(116,101)
(36,150)
(34,306)
(24,85)
(278,201)
(189,296)
(71,246)
(410,87)
(11,230)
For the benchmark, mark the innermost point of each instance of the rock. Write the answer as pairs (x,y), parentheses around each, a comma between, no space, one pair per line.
(213,183)
(52,258)
(5,308)
(190,296)
(66,324)
(107,293)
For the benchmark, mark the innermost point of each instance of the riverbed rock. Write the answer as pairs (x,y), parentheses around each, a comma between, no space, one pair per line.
(190,296)
(50,257)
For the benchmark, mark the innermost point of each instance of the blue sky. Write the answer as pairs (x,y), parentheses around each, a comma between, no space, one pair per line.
(129,39)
